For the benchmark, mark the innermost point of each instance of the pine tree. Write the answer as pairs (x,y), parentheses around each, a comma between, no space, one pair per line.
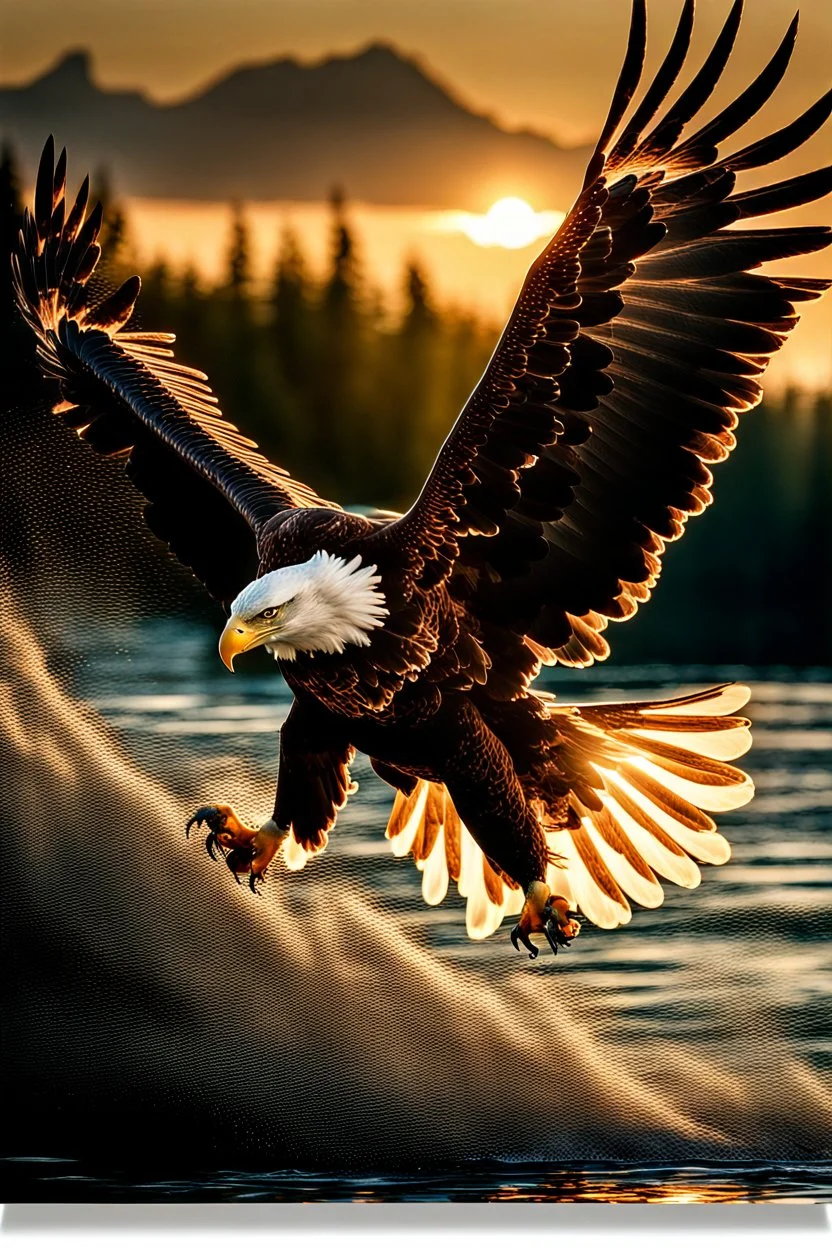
(191,310)
(114,237)
(816,537)
(245,370)
(17,360)
(291,312)
(414,393)
(11,211)
(340,373)
(238,262)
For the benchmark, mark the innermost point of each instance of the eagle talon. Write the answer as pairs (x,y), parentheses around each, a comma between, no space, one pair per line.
(518,934)
(238,861)
(245,851)
(552,937)
(212,843)
(560,924)
(227,834)
(548,914)
(210,815)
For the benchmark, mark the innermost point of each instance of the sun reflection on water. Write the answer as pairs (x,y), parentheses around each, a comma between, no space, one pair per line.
(582,1188)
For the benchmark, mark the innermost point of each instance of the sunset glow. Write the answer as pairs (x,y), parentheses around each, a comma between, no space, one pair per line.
(484,278)
(510,223)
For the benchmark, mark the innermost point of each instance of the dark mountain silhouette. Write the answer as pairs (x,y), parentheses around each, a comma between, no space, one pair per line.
(377,122)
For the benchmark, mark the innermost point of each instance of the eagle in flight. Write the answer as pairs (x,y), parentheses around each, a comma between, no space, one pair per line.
(639,336)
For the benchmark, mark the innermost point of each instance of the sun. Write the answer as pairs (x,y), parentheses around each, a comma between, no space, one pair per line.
(510,223)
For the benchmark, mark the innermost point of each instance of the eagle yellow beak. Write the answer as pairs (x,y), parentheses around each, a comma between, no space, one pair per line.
(236,637)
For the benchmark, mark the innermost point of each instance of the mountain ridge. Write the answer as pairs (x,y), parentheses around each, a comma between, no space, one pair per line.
(376,121)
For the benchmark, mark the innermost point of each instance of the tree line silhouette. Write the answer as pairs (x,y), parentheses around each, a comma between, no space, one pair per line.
(357,402)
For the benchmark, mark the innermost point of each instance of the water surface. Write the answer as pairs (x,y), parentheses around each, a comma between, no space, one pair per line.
(735,973)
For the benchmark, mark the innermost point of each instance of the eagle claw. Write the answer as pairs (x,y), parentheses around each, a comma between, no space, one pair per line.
(548,914)
(227,834)
(517,934)
(211,843)
(243,849)
(560,927)
(212,816)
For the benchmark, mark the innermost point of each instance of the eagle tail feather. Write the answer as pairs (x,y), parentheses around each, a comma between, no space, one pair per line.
(425,825)
(645,777)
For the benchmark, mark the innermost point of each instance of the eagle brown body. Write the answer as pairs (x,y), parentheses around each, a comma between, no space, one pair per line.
(639,337)
(423,710)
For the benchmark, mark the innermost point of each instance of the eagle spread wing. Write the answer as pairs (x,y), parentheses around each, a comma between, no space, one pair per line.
(209,488)
(638,337)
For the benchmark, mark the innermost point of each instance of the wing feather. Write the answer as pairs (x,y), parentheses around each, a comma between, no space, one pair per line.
(209,487)
(642,776)
(640,337)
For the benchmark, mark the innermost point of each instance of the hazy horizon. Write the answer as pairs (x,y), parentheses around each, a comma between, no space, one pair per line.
(503,64)
(544,65)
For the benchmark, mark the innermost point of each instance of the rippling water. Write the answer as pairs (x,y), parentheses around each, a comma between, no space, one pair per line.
(57,1179)
(164,691)
(173,693)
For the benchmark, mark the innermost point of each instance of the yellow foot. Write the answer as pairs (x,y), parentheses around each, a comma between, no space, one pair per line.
(244,849)
(545,913)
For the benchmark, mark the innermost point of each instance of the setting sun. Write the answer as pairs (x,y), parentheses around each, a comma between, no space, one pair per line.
(510,222)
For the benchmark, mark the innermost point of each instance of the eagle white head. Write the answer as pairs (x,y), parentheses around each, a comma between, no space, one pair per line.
(323,605)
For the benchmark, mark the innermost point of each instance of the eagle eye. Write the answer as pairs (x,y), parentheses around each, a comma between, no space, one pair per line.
(269,613)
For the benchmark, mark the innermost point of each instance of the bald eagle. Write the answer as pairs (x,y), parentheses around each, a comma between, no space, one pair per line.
(639,335)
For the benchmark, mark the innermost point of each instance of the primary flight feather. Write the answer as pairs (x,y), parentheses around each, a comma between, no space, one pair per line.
(640,335)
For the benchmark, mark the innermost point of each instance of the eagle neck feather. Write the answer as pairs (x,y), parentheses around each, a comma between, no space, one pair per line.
(328,602)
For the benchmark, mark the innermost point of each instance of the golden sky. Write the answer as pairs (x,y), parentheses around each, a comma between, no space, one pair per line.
(545,64)
(548,64)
